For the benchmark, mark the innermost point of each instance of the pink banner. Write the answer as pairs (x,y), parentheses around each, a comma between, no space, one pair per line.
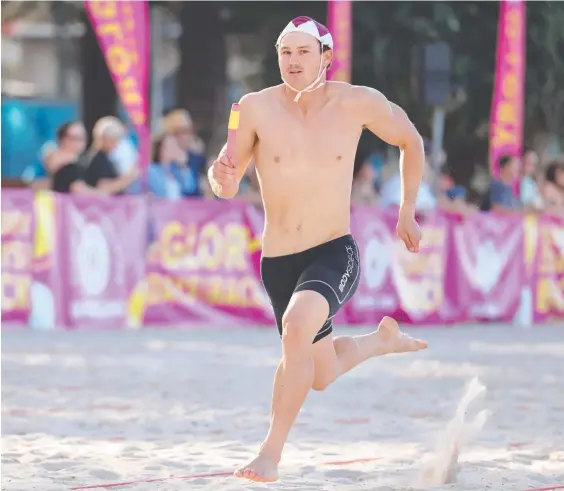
(488,278)
(394,282)
(548,276)
(202,267)
(47,301)
(123,31)
(90,266)
(103,242)
(17,255)
(507,112)
(339,23)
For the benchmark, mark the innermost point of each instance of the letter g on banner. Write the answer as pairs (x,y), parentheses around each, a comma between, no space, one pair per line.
(93,260)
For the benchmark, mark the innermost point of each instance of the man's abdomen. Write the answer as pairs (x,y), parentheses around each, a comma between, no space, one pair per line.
(295,224)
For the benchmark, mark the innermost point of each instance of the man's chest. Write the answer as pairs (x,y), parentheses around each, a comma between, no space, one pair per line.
(326,136)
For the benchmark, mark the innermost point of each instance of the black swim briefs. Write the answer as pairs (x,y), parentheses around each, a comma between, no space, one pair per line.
(331,269)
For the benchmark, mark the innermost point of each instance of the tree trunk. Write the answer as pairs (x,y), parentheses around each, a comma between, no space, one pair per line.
(99,97)
(202,77)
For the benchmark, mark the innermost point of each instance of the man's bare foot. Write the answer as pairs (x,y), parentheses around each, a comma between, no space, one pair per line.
(395,341)
(262,469)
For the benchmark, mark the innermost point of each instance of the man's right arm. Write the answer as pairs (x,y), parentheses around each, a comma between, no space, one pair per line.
(228,170)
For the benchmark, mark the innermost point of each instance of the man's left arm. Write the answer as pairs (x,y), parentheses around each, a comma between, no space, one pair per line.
(390,123)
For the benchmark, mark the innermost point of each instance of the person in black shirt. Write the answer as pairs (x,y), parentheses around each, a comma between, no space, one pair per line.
(63,162)
(99,170)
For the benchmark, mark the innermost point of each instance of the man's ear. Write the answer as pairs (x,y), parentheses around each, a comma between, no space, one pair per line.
(328,58)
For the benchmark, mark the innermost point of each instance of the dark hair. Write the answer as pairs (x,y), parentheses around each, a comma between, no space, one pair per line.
(156,151)
(552,169)
(447,171)
(505,160)
(324,49)
(64,128)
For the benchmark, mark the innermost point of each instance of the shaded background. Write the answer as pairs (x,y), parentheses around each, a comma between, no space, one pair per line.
(205,55)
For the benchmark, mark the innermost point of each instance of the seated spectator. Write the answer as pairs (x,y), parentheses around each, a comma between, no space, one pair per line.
(178,123)
(390,194)
(63,162)
(446,181)
(500,195)
(124,158)
(553,188)
(529,190)
(100,172)
(377,163)
(451,197)
(168,175)
(35,175)
(364,185)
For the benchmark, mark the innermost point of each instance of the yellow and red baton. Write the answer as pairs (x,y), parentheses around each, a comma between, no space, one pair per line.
(232,128)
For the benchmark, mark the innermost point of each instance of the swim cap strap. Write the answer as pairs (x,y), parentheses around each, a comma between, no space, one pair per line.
(311,87)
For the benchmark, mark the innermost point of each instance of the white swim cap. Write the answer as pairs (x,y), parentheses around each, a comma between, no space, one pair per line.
(307,25)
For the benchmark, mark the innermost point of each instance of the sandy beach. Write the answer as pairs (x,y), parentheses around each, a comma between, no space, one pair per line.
(92,408)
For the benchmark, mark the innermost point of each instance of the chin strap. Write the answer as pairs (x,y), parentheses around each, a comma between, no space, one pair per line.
(311,87)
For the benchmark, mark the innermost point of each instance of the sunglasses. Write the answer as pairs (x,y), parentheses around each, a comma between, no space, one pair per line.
(187,130)
(76,137)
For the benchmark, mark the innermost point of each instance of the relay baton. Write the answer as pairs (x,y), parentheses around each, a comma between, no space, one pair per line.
(232,127)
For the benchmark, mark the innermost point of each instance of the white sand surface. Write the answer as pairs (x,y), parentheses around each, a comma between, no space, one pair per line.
(88,408)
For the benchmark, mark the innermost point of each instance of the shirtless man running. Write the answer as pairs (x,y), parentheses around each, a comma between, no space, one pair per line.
(302,136)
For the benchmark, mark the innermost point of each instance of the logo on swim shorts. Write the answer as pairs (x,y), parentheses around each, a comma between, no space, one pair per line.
(349,270)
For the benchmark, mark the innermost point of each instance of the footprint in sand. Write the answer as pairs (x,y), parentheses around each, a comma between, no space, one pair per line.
(57,466)
(10,460)
(10,455)
(172,463)
(129,451)
(239,450)
(104,475)
(343,475)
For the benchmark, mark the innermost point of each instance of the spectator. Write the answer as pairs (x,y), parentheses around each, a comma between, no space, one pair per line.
(390,194)
(377,163)
(500,195)
(100,172)
(553,188)
(364,185)
(125,157)
(35,175)
(62,162)
(451,197)
(446,181)
(178,123)
(168,174)
(530,195)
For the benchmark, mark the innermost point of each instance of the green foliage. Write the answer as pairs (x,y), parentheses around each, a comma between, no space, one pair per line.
(387,39)
(545,68)
(386,42)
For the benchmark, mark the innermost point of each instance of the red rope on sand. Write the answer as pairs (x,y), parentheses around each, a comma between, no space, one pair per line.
(129,483)
(354,461)
(211,474)
(545,489)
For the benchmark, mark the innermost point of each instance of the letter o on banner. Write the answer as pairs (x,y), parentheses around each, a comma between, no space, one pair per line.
(375,263)
(93,262)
